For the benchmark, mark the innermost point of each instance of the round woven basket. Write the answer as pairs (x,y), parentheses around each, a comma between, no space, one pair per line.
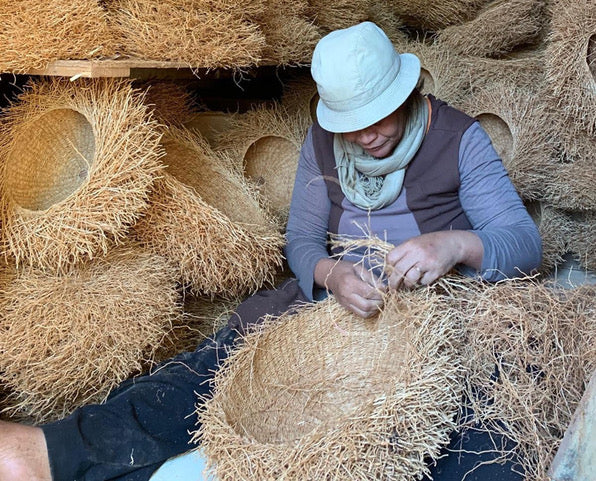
(67,340)
(73,175)
(268,163)
(206,218)
(266,143)
(34,33)
(213,176)
(323,394)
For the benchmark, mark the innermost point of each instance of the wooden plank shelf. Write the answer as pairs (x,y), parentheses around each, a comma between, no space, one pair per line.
(102,68)
(74,69)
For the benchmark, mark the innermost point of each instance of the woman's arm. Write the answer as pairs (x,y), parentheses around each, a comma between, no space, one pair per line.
(511,242)
(503,242)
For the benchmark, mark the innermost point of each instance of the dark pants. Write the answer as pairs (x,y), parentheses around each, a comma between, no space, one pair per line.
(148,419)
(474,454)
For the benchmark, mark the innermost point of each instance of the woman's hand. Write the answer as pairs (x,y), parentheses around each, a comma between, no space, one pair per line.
(425,258)
(354,287)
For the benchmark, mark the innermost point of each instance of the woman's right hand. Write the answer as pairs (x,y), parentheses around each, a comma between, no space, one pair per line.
(353,286)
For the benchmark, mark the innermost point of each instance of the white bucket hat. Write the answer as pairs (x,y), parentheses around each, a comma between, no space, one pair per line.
(360,77)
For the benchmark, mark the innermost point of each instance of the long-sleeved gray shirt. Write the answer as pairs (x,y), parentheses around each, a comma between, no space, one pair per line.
(512,244)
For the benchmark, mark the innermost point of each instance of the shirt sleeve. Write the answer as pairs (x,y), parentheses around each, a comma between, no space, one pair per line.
(511,241)
(306,231)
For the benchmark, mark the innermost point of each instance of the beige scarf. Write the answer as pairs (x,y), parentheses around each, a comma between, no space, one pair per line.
(371,183)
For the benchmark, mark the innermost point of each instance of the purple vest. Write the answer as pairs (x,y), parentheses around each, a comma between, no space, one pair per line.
(432,190)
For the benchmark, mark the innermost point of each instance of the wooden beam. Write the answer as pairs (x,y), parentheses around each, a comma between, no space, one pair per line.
(112,68)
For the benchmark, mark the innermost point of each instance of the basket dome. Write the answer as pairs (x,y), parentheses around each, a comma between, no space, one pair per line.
(323,394)
(74,175)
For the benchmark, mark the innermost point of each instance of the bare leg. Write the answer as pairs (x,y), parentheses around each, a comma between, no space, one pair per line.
(23,453)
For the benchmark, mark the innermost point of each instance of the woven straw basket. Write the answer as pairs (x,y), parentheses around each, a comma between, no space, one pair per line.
(570,62)
(520,132)
(265,142)
(77,161)
(213,176)
(323,394)
(205,217)
(67,340)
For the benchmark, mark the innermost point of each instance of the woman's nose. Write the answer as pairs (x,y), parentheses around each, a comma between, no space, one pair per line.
(366,136)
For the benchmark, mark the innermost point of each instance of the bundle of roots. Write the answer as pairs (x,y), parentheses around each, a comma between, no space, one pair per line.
(34,33)
(67,340)
(77,162)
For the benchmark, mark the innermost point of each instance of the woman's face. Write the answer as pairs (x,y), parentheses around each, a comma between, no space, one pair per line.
(381,138)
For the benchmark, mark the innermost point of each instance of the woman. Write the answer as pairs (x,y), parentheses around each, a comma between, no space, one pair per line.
(410,169)
(383,160)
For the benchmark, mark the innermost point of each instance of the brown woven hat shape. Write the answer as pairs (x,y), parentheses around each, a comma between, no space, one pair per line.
(228,252)
(323,394)
(34,33)
(77,161)
(265,142)
(67,340)
(213,175)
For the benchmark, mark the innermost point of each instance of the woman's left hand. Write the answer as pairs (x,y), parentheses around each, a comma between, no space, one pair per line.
(423,259)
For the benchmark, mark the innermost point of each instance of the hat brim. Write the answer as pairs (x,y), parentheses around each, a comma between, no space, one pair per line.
(380,107)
